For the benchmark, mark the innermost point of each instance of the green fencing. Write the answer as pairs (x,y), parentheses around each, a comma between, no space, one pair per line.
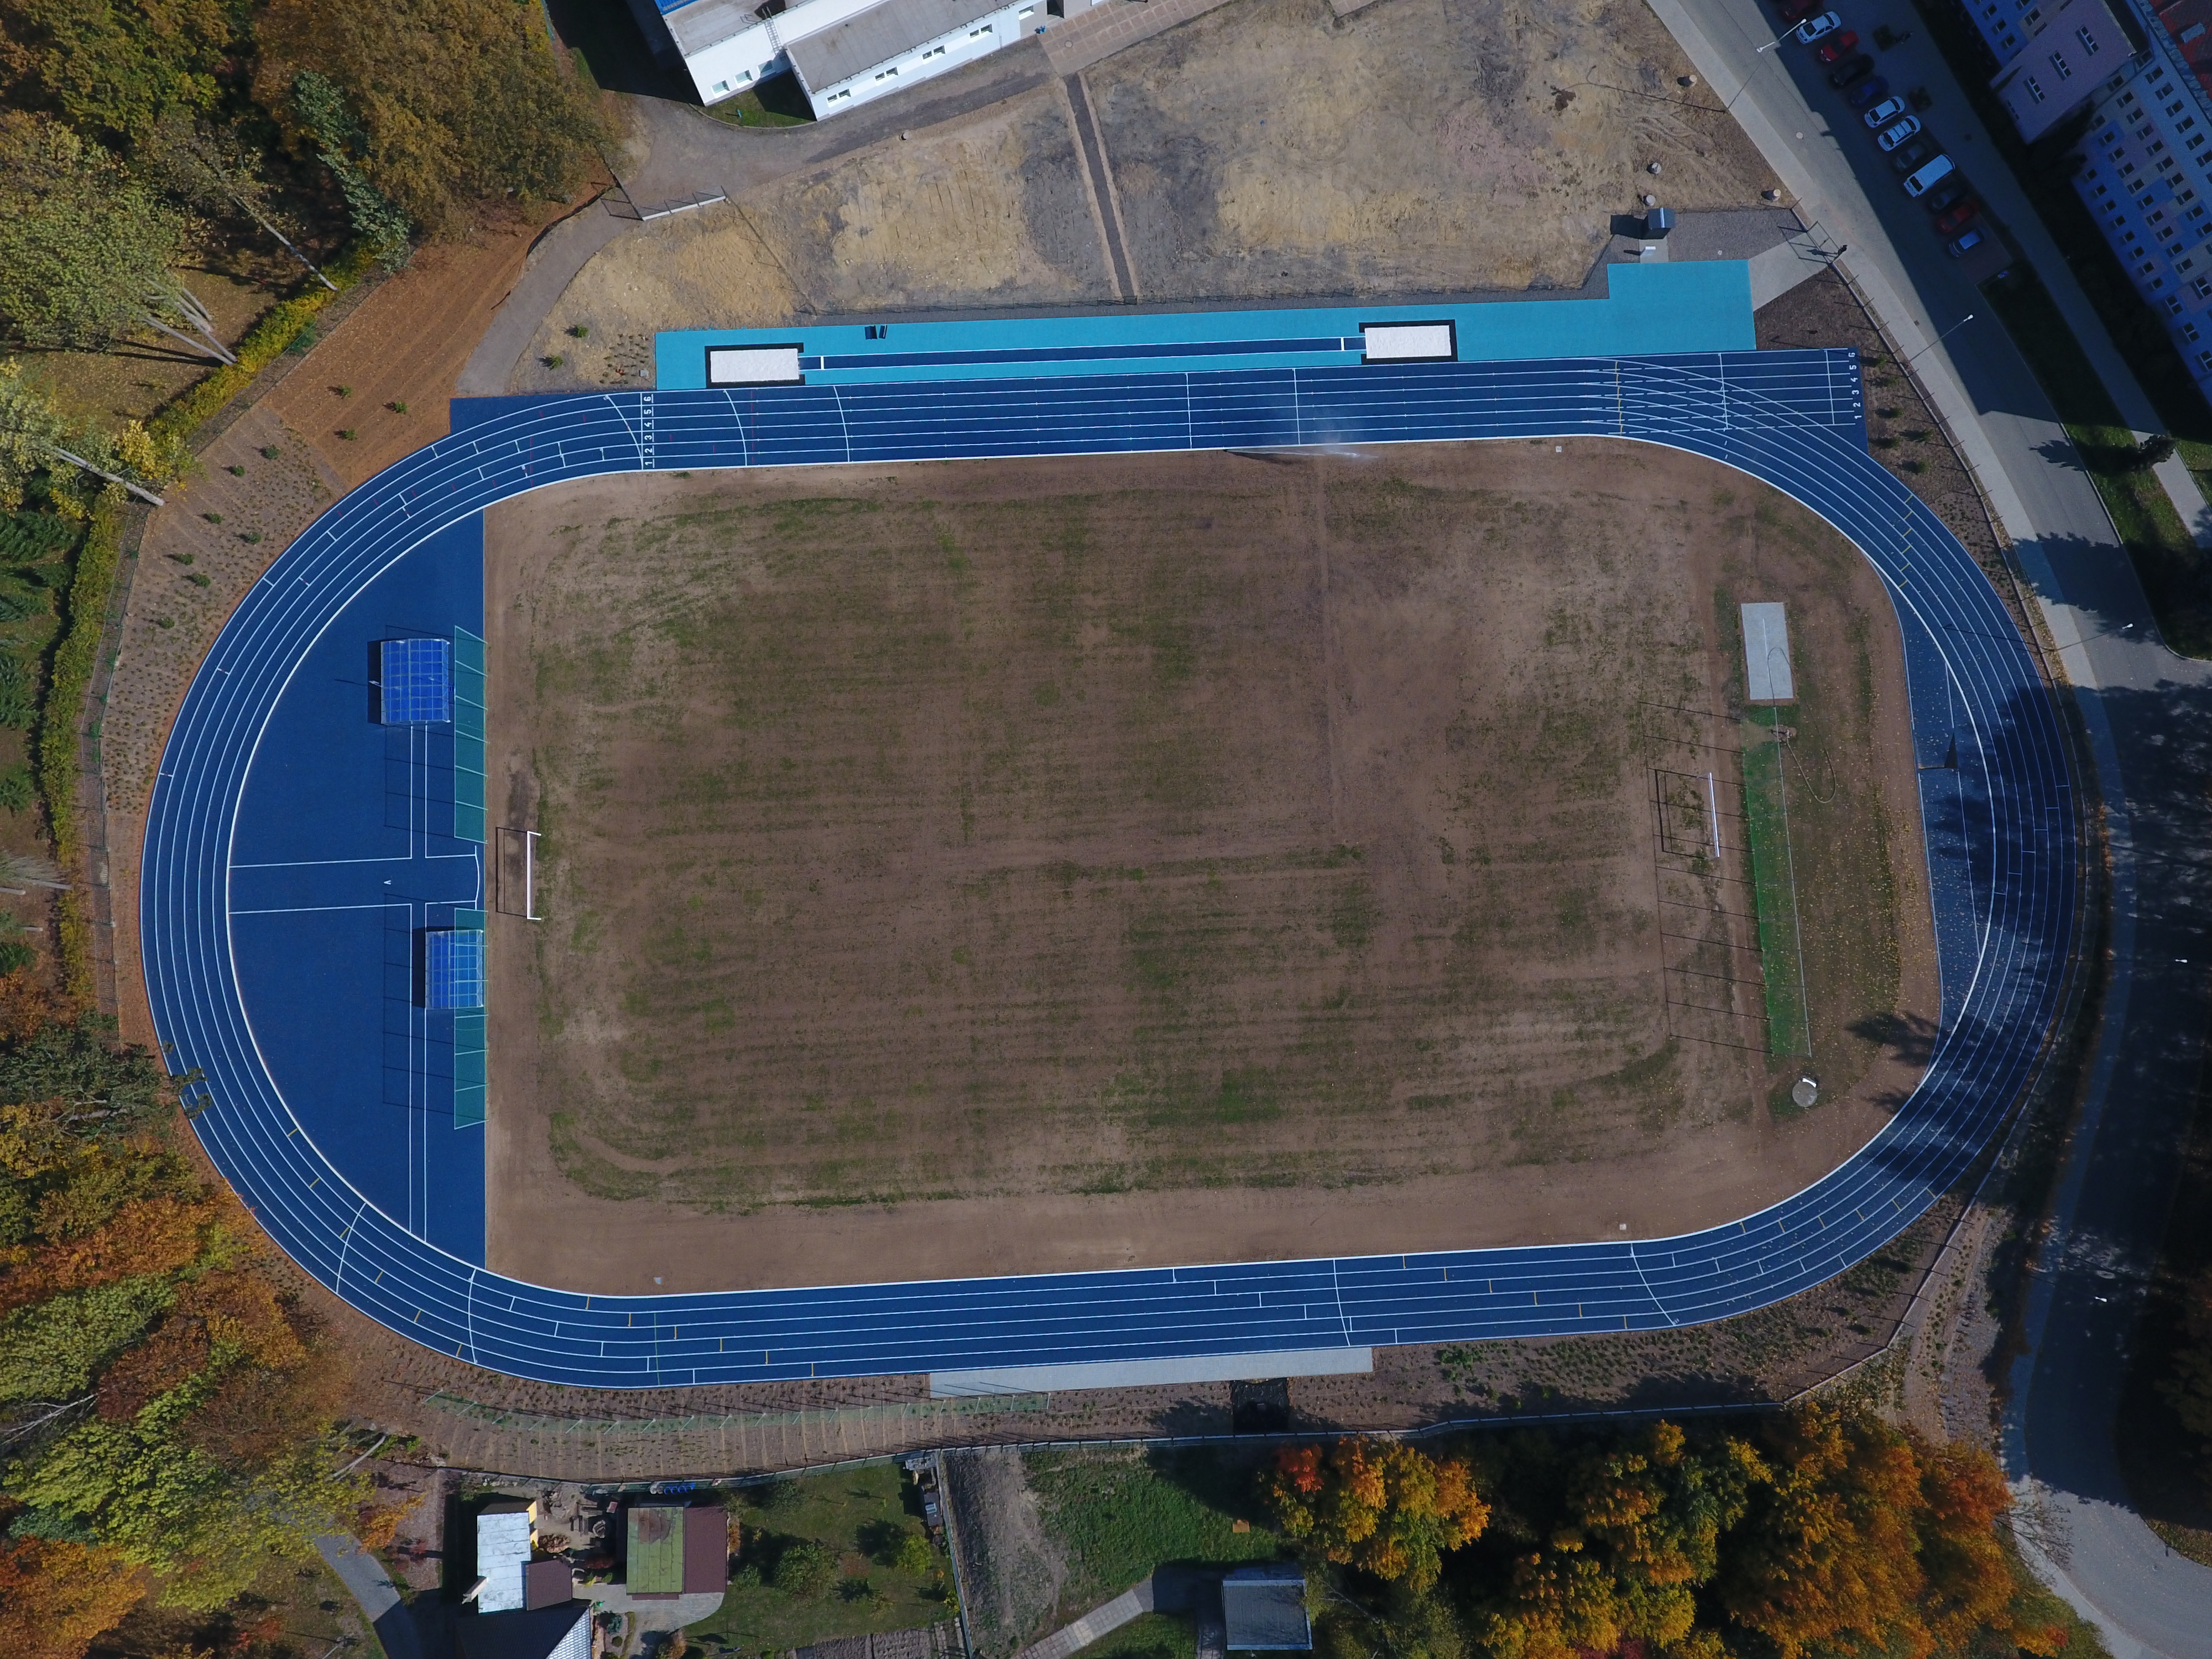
(1774,884)
(468,1049)
(468,736)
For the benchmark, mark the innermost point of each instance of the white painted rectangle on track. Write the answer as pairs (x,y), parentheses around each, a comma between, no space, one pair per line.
(1766,677)
(775,365)
(1411,342)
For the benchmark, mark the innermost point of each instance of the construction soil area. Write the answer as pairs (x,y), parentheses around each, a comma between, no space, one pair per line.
(1048,865)
(1267,149)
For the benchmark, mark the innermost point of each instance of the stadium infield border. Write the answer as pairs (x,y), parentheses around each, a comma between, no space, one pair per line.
(2000,835)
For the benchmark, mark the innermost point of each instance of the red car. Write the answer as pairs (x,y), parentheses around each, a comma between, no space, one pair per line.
(1957,218)
(1837,47)
(1797,11)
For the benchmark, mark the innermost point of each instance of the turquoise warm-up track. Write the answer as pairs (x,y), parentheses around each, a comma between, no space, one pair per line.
(1999,815)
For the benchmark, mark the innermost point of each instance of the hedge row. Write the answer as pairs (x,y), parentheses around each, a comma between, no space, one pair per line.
(264,344)
(85,618)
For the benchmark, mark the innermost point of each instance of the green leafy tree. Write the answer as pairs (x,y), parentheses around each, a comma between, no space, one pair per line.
(805,1569)
(111,68)
(37,444)
(87,252)
(338,140)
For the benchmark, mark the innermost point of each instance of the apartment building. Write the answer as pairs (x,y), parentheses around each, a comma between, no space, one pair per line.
(2147,170)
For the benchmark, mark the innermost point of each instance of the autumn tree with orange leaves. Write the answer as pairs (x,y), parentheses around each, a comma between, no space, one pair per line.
(165,1402)
(1385,1508)
(1812,1533)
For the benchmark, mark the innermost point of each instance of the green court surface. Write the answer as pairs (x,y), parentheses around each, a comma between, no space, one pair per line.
(1774,882)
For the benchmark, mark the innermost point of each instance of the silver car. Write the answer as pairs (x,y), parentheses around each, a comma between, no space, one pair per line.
(1892,136)
(1886,111)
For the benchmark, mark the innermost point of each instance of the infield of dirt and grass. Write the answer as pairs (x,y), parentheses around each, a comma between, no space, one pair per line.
(1065,864)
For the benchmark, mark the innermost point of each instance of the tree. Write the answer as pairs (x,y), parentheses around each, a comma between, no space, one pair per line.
(55,1597)
(111,67)
(86,250)
(338,142)
(37,442)
(163,1396)
(1613,1536)
(456,100)
(1384,1507)
(209,169)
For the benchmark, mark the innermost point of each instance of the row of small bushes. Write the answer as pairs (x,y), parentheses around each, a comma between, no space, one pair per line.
(267,340)
(84,611)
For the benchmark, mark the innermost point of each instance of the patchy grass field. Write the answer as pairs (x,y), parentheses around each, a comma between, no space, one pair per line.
(820,1556)
(1076,863)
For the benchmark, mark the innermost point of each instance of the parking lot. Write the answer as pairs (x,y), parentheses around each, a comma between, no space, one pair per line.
(1862,73)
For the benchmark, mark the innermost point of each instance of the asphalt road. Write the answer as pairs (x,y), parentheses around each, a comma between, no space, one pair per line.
(2148,714)
(371,1587)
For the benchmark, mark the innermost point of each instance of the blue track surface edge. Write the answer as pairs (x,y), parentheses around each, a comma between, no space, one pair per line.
(2000,824)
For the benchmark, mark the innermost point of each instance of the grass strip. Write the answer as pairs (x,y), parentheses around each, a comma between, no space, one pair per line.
(84,611)
(277,332)
(2175,573)
(1774,888)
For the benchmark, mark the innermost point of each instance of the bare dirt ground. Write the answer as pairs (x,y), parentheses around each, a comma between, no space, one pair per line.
(1268,150)
(1061,864)
(1271,148)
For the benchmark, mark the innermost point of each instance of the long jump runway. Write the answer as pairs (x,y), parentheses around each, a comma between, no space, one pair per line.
(1999,814)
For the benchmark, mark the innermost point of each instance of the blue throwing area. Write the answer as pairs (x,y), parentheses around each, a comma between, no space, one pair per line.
(1703,307)
(299,855)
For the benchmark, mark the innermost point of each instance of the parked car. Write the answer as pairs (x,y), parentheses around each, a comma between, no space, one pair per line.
(1957,218)
(1935,173)
(1797,11)
(1852,70)
(1837,47)
(1814,28)
(1947,196)
(1912,153)
(1866,92)
(1960,246)
(1891,137)
(1884,113)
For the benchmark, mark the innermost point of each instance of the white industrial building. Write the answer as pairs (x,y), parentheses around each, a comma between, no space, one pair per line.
(844,52)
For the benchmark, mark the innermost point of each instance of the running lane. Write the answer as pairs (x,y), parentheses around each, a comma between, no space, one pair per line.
(1995,800)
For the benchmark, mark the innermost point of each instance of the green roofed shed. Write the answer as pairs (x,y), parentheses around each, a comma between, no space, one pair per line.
(655,1554)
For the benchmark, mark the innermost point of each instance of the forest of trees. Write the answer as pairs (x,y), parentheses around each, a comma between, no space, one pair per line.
(1807,1533)
(168,1408)
(137,135)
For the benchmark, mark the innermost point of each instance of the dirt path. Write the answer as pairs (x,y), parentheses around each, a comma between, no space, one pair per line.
(1062,864)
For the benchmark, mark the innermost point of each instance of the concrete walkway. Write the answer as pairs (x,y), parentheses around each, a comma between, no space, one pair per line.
(1071,1639)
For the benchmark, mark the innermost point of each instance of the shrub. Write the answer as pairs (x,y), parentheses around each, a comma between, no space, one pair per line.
(805,1569)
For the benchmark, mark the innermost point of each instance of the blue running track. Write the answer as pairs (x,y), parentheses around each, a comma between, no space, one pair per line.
(2001,843)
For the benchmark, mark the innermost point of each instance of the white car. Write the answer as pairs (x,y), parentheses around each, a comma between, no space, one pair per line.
(1897,135)
(1884,113)
(1814,28)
